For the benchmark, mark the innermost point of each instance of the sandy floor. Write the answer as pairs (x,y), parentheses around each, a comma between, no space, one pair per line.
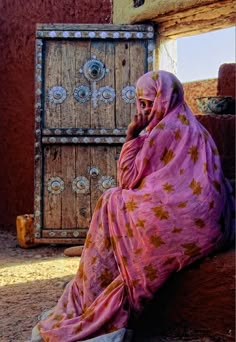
(31,281)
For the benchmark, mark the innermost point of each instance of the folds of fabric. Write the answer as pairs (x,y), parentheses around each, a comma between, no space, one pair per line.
(170,209)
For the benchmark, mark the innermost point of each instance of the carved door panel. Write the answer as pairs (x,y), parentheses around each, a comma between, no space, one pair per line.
(85,98)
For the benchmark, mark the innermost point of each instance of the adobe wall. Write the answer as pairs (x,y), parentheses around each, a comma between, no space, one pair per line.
(197,89)
(17,21)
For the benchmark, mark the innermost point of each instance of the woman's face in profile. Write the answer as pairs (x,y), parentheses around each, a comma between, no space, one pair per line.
(145,107)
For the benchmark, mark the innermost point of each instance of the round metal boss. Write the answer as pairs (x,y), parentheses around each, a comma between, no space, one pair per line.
(82,93)
(94,70)
(128,94)
(106,94)
(80,185)
(55,185)
(106,182)
(57,94)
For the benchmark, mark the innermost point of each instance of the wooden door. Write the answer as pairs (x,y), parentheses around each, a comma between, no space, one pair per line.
(85,98)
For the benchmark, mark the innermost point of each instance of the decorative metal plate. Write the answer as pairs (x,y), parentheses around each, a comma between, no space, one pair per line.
(106,94)
(94,171)
(80,185)
(55,185)
(57,94)
(128,94)
(82,93)
(94,70)
(106,182)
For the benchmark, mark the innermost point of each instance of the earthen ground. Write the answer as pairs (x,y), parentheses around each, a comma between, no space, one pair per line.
(31,281)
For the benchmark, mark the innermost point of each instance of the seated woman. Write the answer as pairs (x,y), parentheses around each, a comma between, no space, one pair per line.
(172,207)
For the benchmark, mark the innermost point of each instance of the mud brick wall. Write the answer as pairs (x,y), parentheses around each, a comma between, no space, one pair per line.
(17,22)
(198,89)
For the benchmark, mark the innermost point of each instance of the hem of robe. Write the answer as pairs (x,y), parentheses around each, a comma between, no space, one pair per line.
(121,335)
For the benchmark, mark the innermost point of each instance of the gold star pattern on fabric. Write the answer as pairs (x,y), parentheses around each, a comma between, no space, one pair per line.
(155,76)
(181,171)
(131,205)
(158,94)
(135,282)
(146,161)
(217,186)
(57,325)
(169,261)
(70,315)
(183,119)
(178,134)
(107,242)
(99,204)
(168,187)
(151,142)
(138,251)
(93,260)
(205,167)
(58,317)
(112,217)
(215,152)
(177,230)
(81,273)
(211,205)
(139,92)
(191,249)
(78,329)
(156,241)
(160,212)
(88,241)
(161,125)
(199,223)
(182,204)
(65,305)
(151,272)
(140,223)
(129,230)
(160,114)
(196,187)
(105,278)
(124,260)
(115,240)
(193,151)
(167,156)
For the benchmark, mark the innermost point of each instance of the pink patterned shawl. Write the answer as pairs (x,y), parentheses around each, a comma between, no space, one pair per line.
(170,209)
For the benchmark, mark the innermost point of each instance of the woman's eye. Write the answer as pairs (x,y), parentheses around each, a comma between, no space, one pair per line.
(142,104)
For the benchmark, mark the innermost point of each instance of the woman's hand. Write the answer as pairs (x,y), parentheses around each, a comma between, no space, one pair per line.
(139,122)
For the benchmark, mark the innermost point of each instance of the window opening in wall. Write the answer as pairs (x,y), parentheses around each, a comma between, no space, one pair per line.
(199,57)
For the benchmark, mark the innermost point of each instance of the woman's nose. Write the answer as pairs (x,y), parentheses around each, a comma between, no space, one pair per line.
(147,110)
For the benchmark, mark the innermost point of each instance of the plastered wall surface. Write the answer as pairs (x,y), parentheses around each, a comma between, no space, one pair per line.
(195,89)
(17,21)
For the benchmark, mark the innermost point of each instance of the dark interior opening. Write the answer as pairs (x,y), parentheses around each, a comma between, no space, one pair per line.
(138,3)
